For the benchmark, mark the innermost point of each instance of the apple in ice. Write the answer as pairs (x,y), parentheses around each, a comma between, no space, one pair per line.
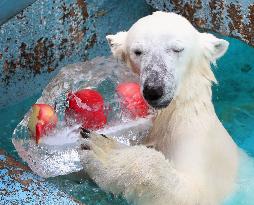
(132,101)
(41,120)
(86,106)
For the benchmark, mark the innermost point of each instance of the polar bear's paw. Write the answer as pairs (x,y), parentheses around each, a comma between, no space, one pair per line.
(98,143)
(99,155)
(141,174)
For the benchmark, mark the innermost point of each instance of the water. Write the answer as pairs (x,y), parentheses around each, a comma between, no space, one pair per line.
(234,96)
(234,104)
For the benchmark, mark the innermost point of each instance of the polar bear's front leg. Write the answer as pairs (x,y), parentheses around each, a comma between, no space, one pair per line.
(141,174)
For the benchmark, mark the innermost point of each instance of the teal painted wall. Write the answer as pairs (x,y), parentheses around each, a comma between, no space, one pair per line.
(47,35)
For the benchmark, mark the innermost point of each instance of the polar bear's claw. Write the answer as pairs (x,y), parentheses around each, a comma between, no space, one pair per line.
(84,133)
(84,147)
(97,143)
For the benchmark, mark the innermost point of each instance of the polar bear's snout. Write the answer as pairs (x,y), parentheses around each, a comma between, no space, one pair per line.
(158,83)
(153,88)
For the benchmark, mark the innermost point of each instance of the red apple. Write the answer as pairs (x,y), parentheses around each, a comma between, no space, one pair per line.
(87,107)
(132,101)
(41,120)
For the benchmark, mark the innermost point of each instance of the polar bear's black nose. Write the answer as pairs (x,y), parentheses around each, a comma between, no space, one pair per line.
(152,93)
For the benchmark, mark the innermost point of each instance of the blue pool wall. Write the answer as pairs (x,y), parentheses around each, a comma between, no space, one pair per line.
(9,8)
(47,35)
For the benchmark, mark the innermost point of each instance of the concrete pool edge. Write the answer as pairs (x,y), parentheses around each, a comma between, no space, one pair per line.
(19,185)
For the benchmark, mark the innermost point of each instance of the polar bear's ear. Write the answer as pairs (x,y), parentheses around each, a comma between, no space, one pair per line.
(213,47)
(117,44)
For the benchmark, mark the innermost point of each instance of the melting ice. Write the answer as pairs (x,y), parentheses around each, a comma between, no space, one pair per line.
(57,153)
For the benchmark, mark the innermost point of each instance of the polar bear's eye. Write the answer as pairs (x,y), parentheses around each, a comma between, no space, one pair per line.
(177,50)
(137,52)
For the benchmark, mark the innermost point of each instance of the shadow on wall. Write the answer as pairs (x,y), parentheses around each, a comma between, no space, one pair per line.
(50,34)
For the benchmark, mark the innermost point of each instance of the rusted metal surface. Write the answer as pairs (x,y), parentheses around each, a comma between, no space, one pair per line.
(19,186)
(60,27)
(228,17)
(51,34)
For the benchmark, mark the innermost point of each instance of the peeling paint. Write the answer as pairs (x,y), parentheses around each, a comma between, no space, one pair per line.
(216,13)
(83,6)
(232,18)
(45,52)
(18,185)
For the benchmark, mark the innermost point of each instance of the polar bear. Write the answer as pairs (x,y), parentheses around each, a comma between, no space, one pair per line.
(188,157)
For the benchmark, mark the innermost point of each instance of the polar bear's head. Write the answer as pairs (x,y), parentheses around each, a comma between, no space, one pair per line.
(162,48)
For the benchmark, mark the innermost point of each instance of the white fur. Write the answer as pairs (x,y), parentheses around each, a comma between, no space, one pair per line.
(196,160)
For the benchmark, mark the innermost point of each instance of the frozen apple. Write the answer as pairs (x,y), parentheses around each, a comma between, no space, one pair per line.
(87,107)
(41,120)
(132,101)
